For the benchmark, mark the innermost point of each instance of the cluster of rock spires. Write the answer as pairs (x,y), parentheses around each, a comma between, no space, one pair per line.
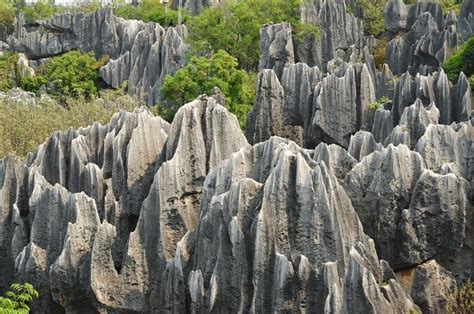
(325,205)
(141,215)
(142,54)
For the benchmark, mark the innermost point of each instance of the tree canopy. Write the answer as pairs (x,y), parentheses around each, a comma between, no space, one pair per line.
(202,74)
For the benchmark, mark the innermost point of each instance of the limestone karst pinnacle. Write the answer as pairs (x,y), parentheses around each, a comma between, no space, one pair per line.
(324,204)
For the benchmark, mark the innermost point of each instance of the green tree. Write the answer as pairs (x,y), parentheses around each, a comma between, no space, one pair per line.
(372,13)
(202,74)
(234,26)
(461,61)
(71,74)
(7,15)
(16,299)
(41,10)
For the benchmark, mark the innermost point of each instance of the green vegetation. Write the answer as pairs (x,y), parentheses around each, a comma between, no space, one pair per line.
(7,15)
(461,301)
(23,127)
(8,62)
(40,10)
(450,5)
(461,61)
(372,11)
(71,74)
(235,27)
(150,11)
(202,74)
(378,104)
(379,53)
(16,299)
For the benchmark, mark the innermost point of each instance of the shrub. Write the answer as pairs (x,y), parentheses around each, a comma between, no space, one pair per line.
(461,61)
(71,74)
(379,53)
(8,62)
(372,11)
(450,5)
(41,10)
(378,104)
(24,127)
(201,75)
(150,11)
(461,301)
(17,298)
(7,17)
(234,27)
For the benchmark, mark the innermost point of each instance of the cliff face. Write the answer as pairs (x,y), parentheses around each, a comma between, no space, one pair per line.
(326,204)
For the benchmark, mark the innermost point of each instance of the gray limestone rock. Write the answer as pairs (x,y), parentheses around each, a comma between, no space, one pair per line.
(413,123)
(392,192)
(338,161)
(142,54)
(266,118)
(276,47)
(424,40)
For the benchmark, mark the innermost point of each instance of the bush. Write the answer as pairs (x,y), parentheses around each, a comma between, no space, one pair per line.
(41,10)
(461,301)
(8,61)
(235,27)
(71,74)
(150,11)
(7,16)
(378,104)
(372,11)
(17,298)
(24,127)
(379,53)
(201,75)
(461,61)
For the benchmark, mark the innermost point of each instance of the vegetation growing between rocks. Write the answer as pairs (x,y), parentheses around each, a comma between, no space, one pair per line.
(17,298)
(23,127)
(461,61)
(202,74)
(7,16)
(71,74)
(235,27)
(8,62)
(461,301)
(150,11)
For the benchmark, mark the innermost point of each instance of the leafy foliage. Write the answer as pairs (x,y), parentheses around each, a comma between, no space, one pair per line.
(71,74)
(235,27)
(7,14)
(150,11)
(461,61)
(40,10)
(461,301)
(372,11)
(17,298)
(202,74)
(379,53)
(23,127)
(8,62)
(450,5)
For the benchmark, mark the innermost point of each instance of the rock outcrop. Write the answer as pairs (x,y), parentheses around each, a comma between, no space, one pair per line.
(142,54)
(424,38)
(139,215)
